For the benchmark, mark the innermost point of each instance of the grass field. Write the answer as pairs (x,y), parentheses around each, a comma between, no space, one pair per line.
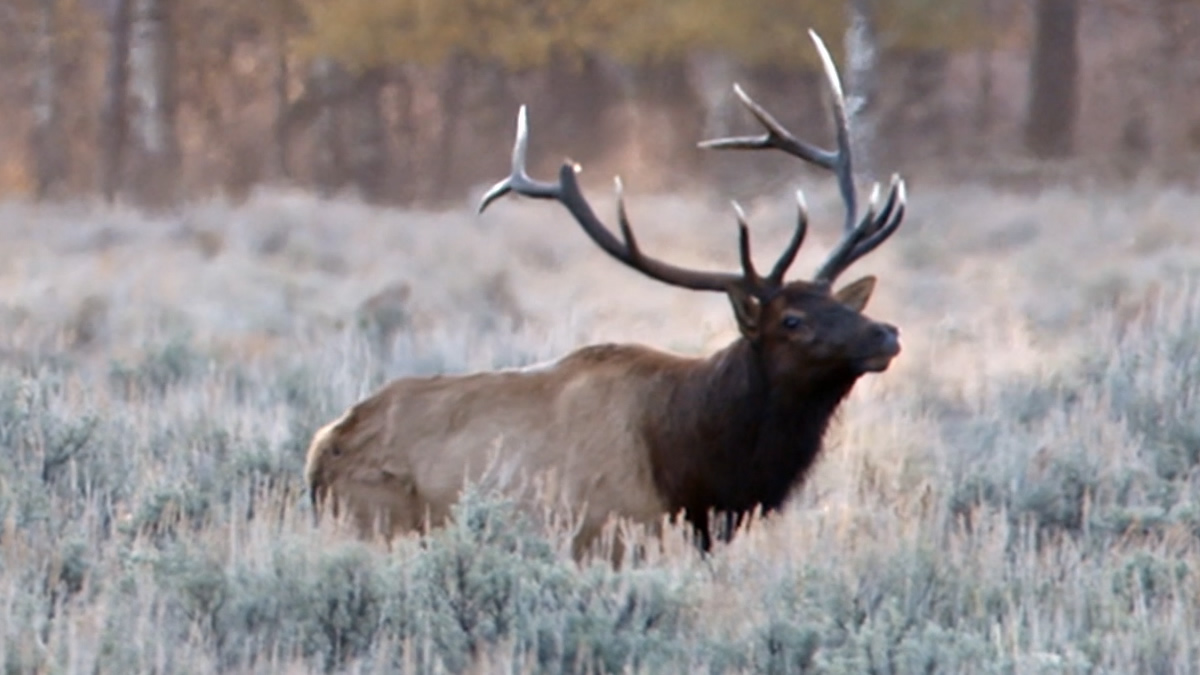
(1019,493)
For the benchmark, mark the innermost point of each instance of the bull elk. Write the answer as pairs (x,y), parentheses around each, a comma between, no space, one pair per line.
(633,432)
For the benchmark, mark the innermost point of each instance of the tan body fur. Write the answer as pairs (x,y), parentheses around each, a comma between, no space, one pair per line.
(404,452)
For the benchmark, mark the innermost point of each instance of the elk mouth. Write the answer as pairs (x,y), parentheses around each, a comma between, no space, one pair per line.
(876,364)
(881,359)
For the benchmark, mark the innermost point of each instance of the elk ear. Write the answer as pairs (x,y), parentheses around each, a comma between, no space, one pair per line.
(856,294)
(747,309)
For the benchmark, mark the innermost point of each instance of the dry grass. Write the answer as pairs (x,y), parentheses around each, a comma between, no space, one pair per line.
(1018,494)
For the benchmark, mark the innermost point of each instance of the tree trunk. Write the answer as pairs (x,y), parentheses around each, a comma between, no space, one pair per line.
(712,74)
(403,132)
(1054,80)
(1171,17)
(46,139)
(984,102)
(666,127)
(1172,78)
(574,113)
(329,164)
(367,140)
(278,160)
(918,118)
(986,71)
(152,85)
(862,87)
(114,121)
(454,86)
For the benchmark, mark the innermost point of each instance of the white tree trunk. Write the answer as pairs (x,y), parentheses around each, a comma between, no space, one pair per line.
(46,140)
(862,59)
(712,75)
(279,170)
(151,73)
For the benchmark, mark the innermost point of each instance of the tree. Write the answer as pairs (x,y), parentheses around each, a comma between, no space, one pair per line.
(1165,110)
(281,15)
(324,77)
(47,144)
(919,39)
(152,90)
(862,83)
(114,121)
(1054,80)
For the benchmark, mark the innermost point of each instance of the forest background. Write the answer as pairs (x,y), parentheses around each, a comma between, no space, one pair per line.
(400,101)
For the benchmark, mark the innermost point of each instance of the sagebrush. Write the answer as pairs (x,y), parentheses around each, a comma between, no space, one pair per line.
(1017,495)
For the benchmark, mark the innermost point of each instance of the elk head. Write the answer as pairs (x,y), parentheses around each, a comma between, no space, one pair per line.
(802,330)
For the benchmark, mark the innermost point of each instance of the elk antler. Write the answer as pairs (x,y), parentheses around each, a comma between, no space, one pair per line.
(877,224)
(566,191)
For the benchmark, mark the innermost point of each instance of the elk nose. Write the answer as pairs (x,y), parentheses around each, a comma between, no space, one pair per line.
(887,337)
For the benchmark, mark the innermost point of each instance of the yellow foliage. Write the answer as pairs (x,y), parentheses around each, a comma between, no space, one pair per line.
(531,33)
(933,24)
(761,32)
(517,33)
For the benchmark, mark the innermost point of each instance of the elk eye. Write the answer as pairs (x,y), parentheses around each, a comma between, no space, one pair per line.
(792,322)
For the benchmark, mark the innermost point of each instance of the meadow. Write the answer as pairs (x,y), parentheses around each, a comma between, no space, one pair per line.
(1018,493)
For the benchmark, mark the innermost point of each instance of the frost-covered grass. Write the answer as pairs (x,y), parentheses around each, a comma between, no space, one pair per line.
(1018,494)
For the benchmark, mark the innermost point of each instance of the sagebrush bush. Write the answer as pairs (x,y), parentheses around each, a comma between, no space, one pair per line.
(1110,444)
(489,581)
(175,362)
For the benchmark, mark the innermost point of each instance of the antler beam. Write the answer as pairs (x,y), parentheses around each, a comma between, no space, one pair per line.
(567,192)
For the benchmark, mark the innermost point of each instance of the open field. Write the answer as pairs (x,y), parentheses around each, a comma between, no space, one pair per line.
(1019,493)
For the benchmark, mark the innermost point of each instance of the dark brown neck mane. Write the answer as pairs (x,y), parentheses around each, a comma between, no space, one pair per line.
(732,440)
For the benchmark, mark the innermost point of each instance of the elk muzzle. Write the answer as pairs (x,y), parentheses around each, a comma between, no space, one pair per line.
(881,345)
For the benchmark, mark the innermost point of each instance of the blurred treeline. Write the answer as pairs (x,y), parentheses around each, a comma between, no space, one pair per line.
(413,101)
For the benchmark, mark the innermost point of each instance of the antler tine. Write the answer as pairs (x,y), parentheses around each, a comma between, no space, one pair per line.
(869,233)
(835,262)
(566,191)
(623,219)
(777,137)
(518,180)
(888,220)
(748,270)
(843,166)
(789,254)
